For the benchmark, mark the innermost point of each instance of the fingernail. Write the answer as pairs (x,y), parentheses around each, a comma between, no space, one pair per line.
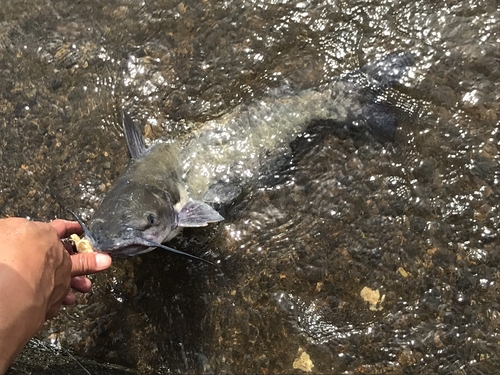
(102,260)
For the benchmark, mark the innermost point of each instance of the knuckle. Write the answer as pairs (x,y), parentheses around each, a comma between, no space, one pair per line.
(83,264)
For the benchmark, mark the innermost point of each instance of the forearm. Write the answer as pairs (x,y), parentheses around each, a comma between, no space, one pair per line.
(20,315)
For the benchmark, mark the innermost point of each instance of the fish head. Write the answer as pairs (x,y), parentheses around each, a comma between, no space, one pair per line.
(131,219)
(147,206)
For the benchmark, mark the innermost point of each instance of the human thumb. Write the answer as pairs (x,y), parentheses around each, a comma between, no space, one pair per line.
(87,263)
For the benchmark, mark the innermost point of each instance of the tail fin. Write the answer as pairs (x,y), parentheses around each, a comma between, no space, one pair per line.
(377,108)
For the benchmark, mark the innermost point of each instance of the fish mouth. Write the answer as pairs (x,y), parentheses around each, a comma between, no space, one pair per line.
(133,247)
(124,250)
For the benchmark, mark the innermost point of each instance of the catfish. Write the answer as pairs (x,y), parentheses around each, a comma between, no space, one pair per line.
(167,186)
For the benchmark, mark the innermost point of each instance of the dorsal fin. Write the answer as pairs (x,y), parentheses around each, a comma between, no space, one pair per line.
(135,141)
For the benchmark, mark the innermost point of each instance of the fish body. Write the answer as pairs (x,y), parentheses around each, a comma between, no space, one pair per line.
(232,148)
(166,186)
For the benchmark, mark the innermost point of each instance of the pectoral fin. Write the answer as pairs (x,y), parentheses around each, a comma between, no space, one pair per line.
(197,214)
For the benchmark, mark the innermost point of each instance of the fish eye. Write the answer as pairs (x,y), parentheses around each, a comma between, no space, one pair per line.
(151,218)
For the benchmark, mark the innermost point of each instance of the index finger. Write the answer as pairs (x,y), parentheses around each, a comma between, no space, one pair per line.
(66,228)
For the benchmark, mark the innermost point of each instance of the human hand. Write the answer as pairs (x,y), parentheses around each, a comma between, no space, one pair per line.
(34,256)
(82,263)
(36,274)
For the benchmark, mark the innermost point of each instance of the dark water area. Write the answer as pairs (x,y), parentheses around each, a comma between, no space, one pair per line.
(364,258)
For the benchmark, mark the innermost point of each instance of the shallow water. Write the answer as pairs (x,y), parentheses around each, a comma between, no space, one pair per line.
(415,219)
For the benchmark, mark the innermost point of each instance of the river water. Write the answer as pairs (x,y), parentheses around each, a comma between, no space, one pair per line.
(362,258)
